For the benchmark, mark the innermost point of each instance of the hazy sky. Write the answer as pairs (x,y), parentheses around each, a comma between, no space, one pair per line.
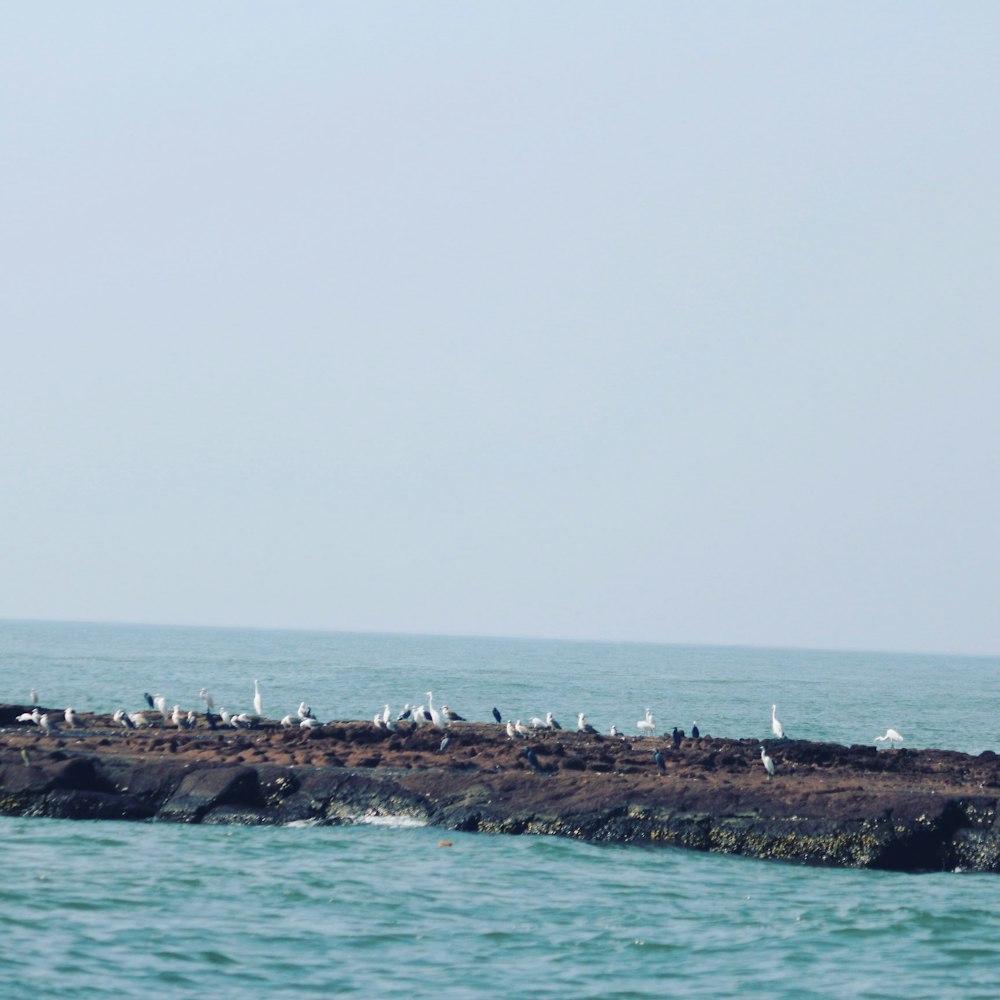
(654,321)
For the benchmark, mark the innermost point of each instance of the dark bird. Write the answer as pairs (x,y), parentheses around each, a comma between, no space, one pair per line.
(695,731)
(444,744)
(677,735)
(149,699)
(532,758)
(660,763)
(497,715)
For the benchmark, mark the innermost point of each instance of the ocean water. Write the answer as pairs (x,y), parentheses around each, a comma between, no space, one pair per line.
(94,908)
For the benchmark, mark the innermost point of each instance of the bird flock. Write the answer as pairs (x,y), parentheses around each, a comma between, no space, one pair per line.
(412,716)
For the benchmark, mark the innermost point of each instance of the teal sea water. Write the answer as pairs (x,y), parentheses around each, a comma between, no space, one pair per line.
(96,908)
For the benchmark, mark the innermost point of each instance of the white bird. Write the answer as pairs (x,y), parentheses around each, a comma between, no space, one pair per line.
(305,712)
(551,722)
(309,723)
(435,714)
(33,716)
(537,723)
(583,726)
(378,721)
(160,702)
(776,726)
(521,729)
(647,725)
(511,731)
(47,724)
(386,715)
(34,697)
(175,716)
(207,698)
(891,737)
(139,720)
(288,722)
(70,716)
(225,716)
(256,700)
(767,762)
(450,715)
(191,719)
(613,731)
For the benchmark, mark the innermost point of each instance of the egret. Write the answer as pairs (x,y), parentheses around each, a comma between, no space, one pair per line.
(256,700)
(160,702)
(207,698)
(891,737)
(776,727)
(435,714)
(647,725)
(386,714)
(767,762)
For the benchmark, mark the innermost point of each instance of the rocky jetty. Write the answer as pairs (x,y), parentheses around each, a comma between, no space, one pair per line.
(912,810)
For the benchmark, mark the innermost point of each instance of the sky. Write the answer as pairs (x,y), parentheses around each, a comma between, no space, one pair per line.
(667,321)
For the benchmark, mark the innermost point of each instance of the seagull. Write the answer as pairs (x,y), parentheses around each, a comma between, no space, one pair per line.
(512,733)
(614,731)
(287,722)
(305,712)
(450,715)
(138,720)
(309,723)
(891,737)
(70,716)
(551,722)
(405,713)
(497,715)
(175,716)
(537,723)
(767,762)
(583,726)
(47,724)
(658,759)
(225,716)
(776,726)
(33,716)
(256,700)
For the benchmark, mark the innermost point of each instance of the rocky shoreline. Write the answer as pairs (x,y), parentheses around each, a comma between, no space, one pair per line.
(901,809)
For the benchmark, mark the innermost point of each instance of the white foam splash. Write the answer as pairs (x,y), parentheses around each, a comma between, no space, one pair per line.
(398,822)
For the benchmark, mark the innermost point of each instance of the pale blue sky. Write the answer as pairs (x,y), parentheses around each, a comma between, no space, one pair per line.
(654,321)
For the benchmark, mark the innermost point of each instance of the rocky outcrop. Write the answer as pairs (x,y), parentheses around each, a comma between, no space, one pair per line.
(827,804)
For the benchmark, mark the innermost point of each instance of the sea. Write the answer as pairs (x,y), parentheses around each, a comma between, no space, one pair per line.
(385,908)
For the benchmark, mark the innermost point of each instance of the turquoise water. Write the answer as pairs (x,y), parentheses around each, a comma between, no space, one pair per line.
(313,911)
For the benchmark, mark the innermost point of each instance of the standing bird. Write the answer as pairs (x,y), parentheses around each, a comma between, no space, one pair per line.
(521,729)
(149,699)
(444,744)
(34,697)
(661,764)
(497,715)
(206,697)
(647,725)
(450,715)
(891,737)
(436,719)
(776,727)
(695,731)
(551,722)
(47,725)
(677,735)
(512,733)
(70,716)
(583,726)
(614,731)
(767,762)
(257,704)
